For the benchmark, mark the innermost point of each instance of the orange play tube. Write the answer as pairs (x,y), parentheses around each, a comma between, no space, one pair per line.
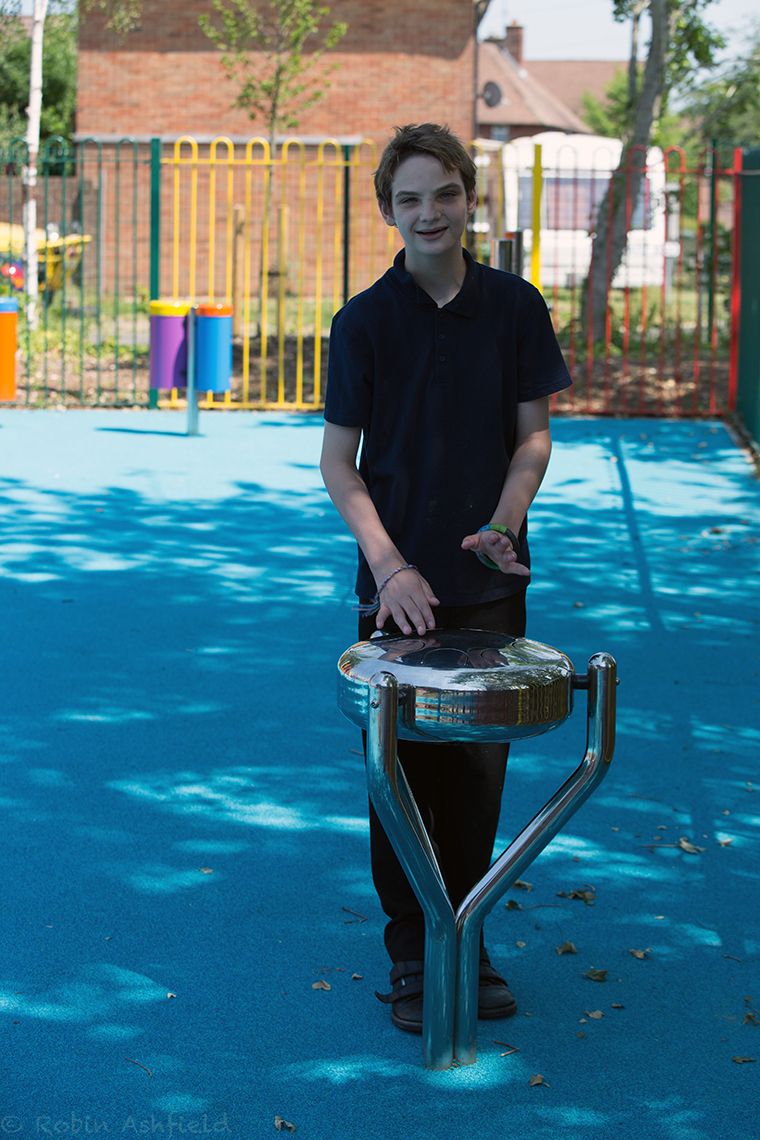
(8,337)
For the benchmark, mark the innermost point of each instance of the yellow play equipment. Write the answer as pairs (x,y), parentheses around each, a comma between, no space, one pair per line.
(58,257)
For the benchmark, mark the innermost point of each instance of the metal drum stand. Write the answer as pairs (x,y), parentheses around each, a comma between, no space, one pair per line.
(466,685)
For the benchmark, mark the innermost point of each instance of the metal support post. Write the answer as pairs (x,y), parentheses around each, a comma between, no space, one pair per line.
(452,941)
(533,838)
(193,414)
(397,811)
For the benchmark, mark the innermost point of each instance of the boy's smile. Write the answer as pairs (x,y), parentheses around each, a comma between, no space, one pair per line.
(429,206)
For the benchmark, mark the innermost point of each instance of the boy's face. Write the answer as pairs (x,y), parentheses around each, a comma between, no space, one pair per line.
(429,205)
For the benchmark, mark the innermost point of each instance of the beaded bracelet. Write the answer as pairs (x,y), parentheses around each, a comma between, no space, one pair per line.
(372,607)
(489,562)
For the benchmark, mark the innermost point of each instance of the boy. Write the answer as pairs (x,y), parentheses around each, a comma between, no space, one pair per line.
(444,369)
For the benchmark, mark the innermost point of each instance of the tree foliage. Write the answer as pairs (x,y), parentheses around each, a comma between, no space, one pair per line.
(59,70)
(727,107)
(268,50)
(610,116)
(122,16)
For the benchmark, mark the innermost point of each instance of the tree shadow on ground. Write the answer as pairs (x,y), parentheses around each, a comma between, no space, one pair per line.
(184,810)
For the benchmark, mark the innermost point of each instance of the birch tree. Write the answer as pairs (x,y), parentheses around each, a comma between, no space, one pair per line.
(29,172)
(122,17)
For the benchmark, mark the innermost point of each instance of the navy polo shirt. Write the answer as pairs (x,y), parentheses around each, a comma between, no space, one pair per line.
(435,393)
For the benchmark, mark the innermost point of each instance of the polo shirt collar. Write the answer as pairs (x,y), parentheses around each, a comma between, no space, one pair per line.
(465,304)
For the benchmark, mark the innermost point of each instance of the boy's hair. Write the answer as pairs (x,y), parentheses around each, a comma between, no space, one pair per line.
(423,138)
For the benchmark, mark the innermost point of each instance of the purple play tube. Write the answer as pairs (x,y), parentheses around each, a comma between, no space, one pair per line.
(168,344)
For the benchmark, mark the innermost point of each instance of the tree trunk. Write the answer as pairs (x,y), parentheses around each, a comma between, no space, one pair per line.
(29,175)
(613,217)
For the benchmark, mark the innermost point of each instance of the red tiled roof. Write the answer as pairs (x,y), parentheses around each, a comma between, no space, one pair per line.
(568,79)
(525,101)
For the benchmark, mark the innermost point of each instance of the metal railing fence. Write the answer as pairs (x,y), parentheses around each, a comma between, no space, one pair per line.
(286,237)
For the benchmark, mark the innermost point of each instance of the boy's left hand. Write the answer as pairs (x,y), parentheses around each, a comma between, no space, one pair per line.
(498,548)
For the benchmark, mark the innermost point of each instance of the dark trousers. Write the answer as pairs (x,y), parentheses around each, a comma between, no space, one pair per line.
(457,788)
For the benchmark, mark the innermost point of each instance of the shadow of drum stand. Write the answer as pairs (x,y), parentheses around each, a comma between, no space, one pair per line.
(466,685)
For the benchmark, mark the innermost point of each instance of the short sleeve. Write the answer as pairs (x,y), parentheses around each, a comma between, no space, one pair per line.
(348,400)
(541,365)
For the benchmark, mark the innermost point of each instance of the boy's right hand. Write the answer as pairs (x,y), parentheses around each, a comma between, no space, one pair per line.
(408,599)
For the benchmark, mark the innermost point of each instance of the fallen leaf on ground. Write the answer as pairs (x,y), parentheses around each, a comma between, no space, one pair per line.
(751,1018)
(617,1005)
(641,953)
(725,842)
(580,1033)
(139,1065)
(321,985)
(171,995)
(357,977)
(283,1125)
(596,975)
(206,870)
(587,895)
(538,1079)
(595,1014)
(513,904)
(566,948)
(689,847)
(522,885)
(520,945)
(357,917)
(743,1060)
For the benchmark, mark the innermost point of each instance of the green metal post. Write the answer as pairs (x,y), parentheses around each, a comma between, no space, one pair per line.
(748,395)
(712,241)
(155,219)
(99,275)
(81,159)
(155,236)
(346,222)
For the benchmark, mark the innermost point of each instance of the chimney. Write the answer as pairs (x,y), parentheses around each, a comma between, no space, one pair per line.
(513,41)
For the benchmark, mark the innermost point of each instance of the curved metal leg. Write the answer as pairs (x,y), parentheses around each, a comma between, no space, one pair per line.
(526,846)
(397,811)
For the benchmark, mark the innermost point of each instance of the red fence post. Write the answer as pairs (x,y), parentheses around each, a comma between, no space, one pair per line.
(733,358)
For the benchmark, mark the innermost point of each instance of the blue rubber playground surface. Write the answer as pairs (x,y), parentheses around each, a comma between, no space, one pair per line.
(184,839)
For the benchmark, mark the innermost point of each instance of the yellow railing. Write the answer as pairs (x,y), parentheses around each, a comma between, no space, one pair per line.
(285,237)
(272,234)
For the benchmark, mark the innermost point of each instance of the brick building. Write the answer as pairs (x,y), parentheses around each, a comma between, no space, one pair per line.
(536,95)
(397,63)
